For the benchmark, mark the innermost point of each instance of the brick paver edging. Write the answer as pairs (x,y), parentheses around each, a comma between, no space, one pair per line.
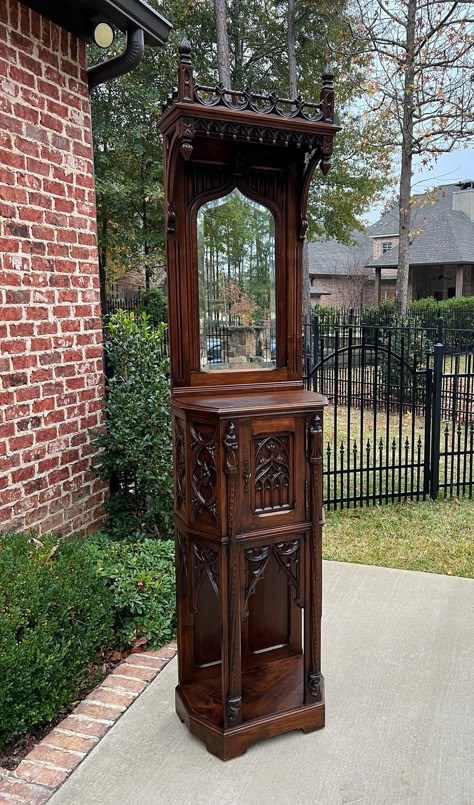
(46,767)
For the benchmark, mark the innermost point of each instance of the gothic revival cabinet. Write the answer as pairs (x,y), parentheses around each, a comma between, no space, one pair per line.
(247,436)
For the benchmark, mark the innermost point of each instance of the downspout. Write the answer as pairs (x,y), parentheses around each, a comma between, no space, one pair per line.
(119,65)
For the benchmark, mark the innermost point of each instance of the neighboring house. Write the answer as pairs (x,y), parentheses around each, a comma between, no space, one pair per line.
(441,254)
(339,276)
(442,248)
(51,365)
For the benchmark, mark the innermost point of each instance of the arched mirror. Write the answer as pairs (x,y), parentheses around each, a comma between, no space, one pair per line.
(237,310)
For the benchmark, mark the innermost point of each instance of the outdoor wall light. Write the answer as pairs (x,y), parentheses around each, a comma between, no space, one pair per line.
(103,35)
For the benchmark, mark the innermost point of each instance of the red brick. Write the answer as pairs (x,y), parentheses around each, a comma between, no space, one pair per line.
(21,442)
(84,726)
(24,793)
(147,661)
(96,711)
(164,653)
(131,685)
(72,742)
(146,674)
(40,775)
(108,696)
(56,757)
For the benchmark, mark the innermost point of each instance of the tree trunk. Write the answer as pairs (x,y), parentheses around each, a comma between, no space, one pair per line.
(237,73)
(404,210)
(293,92)
(223,58)
(292,50)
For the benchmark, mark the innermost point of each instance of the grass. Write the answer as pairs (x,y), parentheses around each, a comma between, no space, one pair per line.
(432,537)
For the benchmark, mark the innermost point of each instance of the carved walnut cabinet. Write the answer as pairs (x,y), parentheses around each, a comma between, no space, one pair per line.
(247,436)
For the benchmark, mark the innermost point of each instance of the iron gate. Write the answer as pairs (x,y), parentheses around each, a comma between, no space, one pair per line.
(400,423)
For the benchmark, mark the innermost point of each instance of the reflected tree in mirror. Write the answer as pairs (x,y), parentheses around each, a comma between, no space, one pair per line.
(237,311)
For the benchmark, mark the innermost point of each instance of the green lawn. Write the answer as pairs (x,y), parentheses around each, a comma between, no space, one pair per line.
(433,537)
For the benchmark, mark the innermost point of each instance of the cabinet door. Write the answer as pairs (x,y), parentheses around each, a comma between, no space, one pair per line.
(273,470)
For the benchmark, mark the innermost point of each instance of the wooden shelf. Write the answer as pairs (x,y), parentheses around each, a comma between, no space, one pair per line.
(274,687)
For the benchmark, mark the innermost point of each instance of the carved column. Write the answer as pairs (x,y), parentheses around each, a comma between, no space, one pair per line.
(232,696)
(314,678)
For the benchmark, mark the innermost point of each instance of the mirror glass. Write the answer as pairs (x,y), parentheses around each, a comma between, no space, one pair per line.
(236,257)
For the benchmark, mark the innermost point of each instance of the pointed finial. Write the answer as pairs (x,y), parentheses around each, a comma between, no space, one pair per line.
(185,50)
(328,75)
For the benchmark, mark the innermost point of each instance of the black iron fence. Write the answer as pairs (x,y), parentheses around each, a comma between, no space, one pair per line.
(400,420)
(129,302)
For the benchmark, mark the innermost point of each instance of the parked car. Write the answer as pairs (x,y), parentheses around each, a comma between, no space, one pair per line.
(214,350)
(273,347)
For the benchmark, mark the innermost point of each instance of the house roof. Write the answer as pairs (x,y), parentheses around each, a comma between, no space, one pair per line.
(443,235)
(330,257)
(79,16)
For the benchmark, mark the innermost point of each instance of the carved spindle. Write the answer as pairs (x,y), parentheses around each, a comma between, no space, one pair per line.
(327,94)
(185,72)
(233,713)
(316,461)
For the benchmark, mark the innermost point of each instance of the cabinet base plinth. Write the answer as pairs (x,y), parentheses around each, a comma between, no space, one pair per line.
(230,743)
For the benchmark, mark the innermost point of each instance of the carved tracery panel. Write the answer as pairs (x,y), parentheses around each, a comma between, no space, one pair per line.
(204,472)
(205,566)
(286,554)
(272,472)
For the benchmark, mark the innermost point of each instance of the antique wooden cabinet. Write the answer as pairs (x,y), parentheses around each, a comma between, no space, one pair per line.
(247,436)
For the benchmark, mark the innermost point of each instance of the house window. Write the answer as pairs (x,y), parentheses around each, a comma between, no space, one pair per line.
(386,246)
(451,293)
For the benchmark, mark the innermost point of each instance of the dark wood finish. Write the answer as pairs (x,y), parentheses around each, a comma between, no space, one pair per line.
(247,444)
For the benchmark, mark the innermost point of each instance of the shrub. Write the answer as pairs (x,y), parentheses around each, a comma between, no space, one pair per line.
(154,303)
(55,614)
(136,454)
(141,578)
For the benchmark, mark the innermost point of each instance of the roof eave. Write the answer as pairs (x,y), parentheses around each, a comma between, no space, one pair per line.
(79,17)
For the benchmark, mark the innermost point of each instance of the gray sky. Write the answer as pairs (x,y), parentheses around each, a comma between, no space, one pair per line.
(448,169)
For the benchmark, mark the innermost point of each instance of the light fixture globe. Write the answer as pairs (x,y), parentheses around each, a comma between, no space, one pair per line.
(103,35)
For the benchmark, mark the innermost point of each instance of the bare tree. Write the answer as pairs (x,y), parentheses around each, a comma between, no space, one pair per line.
(223,54)
(356,280)
(420,85)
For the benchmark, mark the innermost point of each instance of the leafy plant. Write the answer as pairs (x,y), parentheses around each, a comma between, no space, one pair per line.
(141,578)
(55,615)
(136,454)
(155,304)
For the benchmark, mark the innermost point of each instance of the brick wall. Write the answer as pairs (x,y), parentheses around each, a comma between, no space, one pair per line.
(50,335)
(377,245)
(347,292)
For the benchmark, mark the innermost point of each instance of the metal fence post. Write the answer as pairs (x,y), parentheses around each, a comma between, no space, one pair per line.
(428,432)
(437,382)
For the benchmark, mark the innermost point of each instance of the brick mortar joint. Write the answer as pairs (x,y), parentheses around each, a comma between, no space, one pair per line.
(44,764)
(62,749)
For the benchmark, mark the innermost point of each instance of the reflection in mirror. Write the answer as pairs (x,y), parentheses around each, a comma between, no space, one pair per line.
(236,256)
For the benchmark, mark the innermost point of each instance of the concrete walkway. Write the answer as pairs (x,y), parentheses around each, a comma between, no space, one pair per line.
(399,668)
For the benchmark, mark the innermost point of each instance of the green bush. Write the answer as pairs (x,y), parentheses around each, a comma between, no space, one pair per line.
(154,303)
(55,615)
(141,578)
(136,452)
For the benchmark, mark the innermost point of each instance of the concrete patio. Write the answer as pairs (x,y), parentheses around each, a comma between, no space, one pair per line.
(399,666)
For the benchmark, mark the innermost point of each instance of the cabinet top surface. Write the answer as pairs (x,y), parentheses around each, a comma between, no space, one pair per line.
(250,403)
